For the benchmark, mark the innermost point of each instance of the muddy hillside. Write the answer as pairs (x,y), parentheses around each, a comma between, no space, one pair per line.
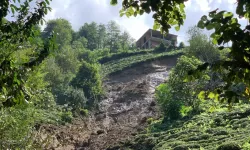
(123,113)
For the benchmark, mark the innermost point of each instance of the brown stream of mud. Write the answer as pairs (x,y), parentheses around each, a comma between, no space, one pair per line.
(122,114)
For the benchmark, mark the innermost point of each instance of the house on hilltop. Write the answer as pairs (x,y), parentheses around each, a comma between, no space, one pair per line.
(153,38)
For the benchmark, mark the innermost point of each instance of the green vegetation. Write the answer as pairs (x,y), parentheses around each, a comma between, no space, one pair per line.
(178,94)
(88,79)
(161,48)
(221,130)
(120,55)
(18,125)
(118,65)
(54,75)
(181,45)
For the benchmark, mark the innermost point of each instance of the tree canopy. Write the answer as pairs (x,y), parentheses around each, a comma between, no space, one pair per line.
(61,28)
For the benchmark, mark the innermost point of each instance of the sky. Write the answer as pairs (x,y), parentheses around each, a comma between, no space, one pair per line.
(79,12)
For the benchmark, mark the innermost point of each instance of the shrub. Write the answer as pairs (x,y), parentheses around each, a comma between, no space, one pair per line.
(246,146)
(229,146)
(67,116)
(74,97)
(16,126)
(181,45)
(185,91)
(88,56)
(176,97)
(89,80)
(169,106)
(185,110)
(201,47)
(99,53)
(84,112)
(161,48)
(36,85)
(150,120)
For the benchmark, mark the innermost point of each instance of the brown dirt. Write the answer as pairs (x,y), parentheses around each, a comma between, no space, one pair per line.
(129,103)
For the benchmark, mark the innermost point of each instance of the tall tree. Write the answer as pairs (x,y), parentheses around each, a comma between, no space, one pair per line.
(201,47)
(81,43)
(102,35)
(113,35)
(90,32)
(126,40)
(61,28)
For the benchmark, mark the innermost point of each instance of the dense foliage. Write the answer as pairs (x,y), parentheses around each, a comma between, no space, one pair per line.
(181,45)
(89,80)
(100,36)
(18,36)
(73,71)
(177,95)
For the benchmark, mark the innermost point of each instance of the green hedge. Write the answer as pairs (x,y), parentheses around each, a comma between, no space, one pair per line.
(121,55)
(116,66)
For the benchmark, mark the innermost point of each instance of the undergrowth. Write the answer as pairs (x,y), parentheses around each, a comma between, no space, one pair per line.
(18,125)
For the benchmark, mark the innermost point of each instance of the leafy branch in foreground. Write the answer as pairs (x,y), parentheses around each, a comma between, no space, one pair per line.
(16,36)
(165,13)
(235,68)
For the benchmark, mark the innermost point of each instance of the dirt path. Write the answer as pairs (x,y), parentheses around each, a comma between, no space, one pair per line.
(129,103)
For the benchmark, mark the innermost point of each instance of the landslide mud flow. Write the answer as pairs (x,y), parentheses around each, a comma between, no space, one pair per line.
(124,111)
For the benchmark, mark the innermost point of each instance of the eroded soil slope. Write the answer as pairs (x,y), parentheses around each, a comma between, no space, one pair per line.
(124,111)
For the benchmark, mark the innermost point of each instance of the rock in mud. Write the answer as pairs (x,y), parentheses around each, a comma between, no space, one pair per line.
(100,132)
(82,144)
(153,103)
(144,120)
(114,148)
(100,117)
(133,134)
